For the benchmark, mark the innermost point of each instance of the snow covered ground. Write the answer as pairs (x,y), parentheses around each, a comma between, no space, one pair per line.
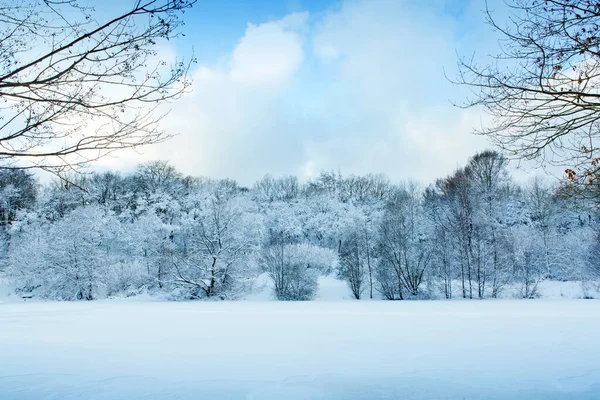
(135,349)
(331,288)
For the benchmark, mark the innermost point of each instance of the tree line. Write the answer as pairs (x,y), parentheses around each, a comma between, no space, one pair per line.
(470,234)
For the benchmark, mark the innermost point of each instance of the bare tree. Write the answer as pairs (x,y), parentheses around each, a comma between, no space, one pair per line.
(75,86)
(490,184)
(354,261)
(457,192)
(543,89)
(403,240)
(158,177)
(440,215)
(527,253)
(368,240)
(284,188)
(543,210)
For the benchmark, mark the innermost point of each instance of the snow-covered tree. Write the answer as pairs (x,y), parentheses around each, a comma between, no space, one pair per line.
(357,254)
(405,244)
(217,239)
(67,260)
(294,268)
(475,233)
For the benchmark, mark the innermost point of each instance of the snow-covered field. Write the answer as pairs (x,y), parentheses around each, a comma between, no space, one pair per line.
(134,349)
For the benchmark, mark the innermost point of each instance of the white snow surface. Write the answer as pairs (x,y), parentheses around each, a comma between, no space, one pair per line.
(145,349)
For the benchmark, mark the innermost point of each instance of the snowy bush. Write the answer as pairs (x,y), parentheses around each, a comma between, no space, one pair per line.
(295,268)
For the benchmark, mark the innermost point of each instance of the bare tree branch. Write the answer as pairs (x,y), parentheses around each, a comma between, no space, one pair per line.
(74,88)
(543,89)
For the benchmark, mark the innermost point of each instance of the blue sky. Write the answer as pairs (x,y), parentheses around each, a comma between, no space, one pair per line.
(299,86)
(215,26)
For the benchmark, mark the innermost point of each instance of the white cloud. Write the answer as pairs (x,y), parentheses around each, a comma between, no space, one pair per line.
(388,108)
(269,53)
(230,123)
(360,88)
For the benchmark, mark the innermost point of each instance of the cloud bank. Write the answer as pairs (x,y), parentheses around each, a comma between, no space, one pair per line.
(358,88)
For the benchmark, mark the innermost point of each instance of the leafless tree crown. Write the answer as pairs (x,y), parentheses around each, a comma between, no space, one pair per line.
(76,85)
(543,89)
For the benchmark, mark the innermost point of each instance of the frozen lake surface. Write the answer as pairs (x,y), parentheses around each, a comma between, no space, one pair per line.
(133,349)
